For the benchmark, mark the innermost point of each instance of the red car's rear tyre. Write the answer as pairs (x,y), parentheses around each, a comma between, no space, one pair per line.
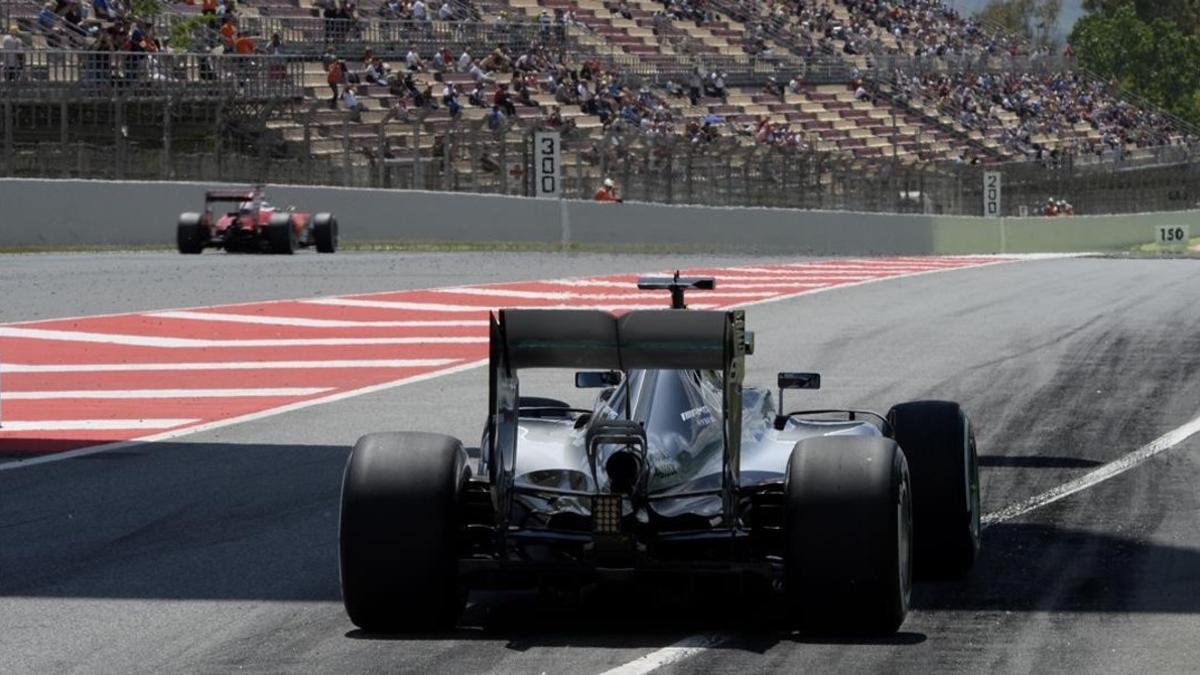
(281,236)
(190,233)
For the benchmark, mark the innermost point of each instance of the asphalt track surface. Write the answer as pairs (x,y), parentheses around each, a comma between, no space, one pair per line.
(217,552)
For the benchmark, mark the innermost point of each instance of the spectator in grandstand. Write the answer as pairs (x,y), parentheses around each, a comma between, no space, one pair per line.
(378,72)
(773,88)
(525,95)
(476,97)
(392,10)
(443,61)
(208,7)
(418,11)
(353,105)
(275,46)
(413,61)
(244,45)
(695,86)
(465,62)
(228,33)
(101,9)
(450,99)
(47,19)
(607,192)
(715,85)
(498,60)
(478,74)
(13,50)
(495,119)
(446,12)
(502,100)
(335,75)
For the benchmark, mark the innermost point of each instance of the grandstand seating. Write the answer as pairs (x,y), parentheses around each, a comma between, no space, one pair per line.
(905,118)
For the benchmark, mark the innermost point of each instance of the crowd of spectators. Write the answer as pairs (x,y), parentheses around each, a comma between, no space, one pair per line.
(1023,110)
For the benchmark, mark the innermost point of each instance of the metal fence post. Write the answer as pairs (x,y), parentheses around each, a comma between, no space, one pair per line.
(9,160)
(119,134)
(504,159)
(165,158)
(346,179)
(219,136)
(416,154)
(64,136)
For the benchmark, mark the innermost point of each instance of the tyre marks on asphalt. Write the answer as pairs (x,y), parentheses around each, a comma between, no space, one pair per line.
(80,385)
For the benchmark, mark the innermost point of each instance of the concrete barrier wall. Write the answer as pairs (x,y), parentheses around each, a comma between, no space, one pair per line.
(82,213)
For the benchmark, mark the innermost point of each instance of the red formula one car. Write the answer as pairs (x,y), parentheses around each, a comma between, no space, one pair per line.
(254,225)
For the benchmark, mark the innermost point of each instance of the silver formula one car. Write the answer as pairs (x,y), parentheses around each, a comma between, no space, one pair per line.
(676,469)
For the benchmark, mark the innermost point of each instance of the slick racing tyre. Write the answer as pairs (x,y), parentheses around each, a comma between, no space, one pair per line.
(847,535)
(399,530)
(281,236)
(190,233)
(937,439)
(325,232)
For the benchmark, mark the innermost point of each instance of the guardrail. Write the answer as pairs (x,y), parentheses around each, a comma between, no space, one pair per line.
(59,74)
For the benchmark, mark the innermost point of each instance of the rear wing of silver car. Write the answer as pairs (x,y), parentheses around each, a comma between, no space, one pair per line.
(592,339)
(541,338)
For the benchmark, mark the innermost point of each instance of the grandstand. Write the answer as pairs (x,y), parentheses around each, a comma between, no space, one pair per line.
(829,103)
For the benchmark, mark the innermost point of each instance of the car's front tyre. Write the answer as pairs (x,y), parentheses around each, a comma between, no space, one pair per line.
(938,441)
(399,531)
(325,232)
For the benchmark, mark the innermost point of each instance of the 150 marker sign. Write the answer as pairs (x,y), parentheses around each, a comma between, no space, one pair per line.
(1172,235)
(547,164)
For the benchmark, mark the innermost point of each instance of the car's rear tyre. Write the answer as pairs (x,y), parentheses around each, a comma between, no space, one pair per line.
(281,236)
(847,535)
(937,439)
(399,529)
(325,231)
(190,233)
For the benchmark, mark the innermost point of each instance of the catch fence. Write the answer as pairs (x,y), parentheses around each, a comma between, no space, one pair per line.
(471,156)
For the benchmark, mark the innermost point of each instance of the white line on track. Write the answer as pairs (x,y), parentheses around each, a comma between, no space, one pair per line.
(181,343)
(1115,468)
(437,307)
(279,392)
(90,425)
(567,295)
(672,653)
(304,322)
(219,365)
(721,283)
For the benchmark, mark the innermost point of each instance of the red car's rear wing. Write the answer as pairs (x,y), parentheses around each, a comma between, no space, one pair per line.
(230,196)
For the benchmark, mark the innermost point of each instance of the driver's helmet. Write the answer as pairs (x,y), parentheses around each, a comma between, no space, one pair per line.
(246,208)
